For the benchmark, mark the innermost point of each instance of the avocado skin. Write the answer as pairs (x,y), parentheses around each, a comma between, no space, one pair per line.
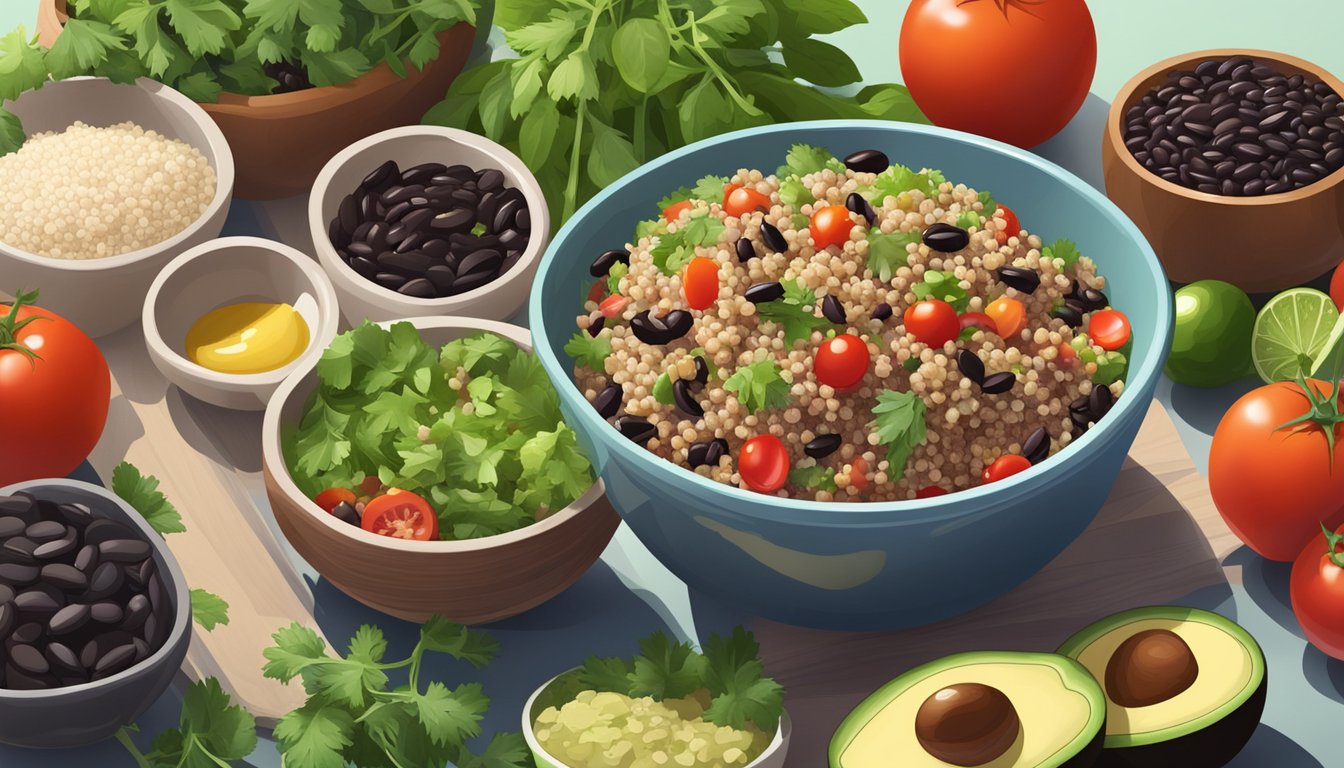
(1211,747)
(1087,757)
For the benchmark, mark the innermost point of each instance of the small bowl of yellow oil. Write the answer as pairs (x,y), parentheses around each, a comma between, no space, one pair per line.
(228,320)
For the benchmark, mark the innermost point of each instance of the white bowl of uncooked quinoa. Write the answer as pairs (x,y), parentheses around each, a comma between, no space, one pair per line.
(113,182)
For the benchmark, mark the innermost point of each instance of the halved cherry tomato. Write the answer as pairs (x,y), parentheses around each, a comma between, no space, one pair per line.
(613,305)
(401,515)
(763,463)
(673,212)
(842,361)
(700,282)
(1010,315)
(598,291)
(1012,227)
(933,321)
(831,225)
(1067,354)
(978,320)
(930,492)
(858,475)
(1109,328)
(739,201)
(329,498)
(1006,465)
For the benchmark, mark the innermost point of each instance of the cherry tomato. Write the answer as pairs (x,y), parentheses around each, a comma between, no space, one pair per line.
(930,492)
(739,201)
(401,515)
(842,361)
(831,225)
(1006,465)
(370,486)
(1012,227)
(329,498)
(764,463)
(673,212)
(598,291)
(978,320)
(700,282)
(858,475)
(1009,315)
(1317,589)
(933,321)
(1109,328)
(613,305)
(1067,354)
(1337,287)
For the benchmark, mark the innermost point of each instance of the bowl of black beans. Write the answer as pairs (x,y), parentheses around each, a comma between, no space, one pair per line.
(1231,162)
(94,614)
(424,220)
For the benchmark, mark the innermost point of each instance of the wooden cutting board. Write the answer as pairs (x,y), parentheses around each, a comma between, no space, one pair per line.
(1157,539)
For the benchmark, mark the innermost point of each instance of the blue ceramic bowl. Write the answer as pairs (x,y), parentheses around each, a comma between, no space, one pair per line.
(872,565)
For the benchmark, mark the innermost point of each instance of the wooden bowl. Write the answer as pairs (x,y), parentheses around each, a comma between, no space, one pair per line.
(280,142)
(471,582)
(1262,244)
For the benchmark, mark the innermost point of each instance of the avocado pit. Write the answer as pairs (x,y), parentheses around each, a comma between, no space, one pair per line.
(967,724)
(1150,667)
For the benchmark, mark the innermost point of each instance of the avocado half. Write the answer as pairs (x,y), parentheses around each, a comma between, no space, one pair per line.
(1061,708)
(1203,726)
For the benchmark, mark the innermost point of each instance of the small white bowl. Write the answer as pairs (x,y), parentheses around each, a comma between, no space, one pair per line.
(102,296)
(772,757)
(411,145)
(228,271)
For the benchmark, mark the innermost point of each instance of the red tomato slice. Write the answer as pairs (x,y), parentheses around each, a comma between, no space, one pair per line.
(1006,465)
(613,305)
(841,362)
(1012,227)
(978,320)
(673,212)
(700,283)
(401,515)
(763,463)
(329,498)
(831,225)
(1109,328)
(739,201)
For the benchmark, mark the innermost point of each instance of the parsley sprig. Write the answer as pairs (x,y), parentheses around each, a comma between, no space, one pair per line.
(898,422)
(759,386)
(795,311)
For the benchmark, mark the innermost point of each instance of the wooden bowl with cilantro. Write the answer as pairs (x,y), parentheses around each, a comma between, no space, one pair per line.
(349,75)
(458,413)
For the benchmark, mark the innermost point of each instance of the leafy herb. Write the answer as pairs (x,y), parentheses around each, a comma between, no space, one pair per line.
(589,351)
(969,220)
(898,422)
(816,476)
(942,285)
(601,86)
(1063,250)
(737,682)
(793,192)
(1110,368)
(889,252)
(803,160)
(911,364)
(678,195)
(795,311)
(212,731)
(614,275)
(676,249)
(898,180)
(759,386)
(649,228)
(709,189)
(208,609)
(989,204)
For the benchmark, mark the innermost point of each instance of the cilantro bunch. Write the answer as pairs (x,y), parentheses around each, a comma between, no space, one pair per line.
(474,427)
(207,47)
(601,86)
(353,715)
(212,731)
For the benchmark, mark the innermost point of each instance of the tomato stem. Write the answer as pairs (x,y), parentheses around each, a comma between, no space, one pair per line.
(1332,541)
(1324,413)
(10,324)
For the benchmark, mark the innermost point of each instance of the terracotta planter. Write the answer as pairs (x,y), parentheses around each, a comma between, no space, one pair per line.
(281,142)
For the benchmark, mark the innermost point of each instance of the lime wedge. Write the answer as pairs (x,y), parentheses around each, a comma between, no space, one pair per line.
(1290,333)
(1329,364)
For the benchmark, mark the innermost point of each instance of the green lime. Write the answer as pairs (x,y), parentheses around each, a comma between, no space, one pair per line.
(1290,332)
(1211,344)
(1329,364)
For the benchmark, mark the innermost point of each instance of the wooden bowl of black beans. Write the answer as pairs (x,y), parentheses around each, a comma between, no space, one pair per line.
(1231,161)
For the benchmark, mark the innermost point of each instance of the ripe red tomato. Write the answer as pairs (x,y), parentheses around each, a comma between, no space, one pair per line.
(1317,589)
(700,282)
(1006,465)
(329,498)
(739,201)
(763,463)
(841,362)
(1009,315)
(1012,227)
(933,321)
(930,492)
(1042,56)
(831,225)
(1109,328)
(1337,287)
(1275,484)
(401,515)
(858,475)
(673,212)
(54,393)
(978,320)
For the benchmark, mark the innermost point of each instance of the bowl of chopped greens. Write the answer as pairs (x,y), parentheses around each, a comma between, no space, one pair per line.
(669,705)
(818,385)
(423,467)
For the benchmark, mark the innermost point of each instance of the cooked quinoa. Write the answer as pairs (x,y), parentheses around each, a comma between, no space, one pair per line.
(1050,363)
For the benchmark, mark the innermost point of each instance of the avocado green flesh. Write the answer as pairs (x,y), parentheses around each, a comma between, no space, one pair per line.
(1062,710)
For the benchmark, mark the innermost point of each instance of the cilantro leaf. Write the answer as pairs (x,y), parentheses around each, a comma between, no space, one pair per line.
(678,195)
(741,693)
(795,311)
(618,270)
(942,285)
(702,229)
(989,204)
(1063,250)
(296,648)
(898,422)
(889,252)
(665,669)
(11,132)
(225,730)
(759,386)
(82,45)
(443,636)
(794,193)
(1111,367)
(816,477)
(315,735)
(605,674)
(589,351)
(202,24)
(803,160)
(505,750)
(898,180)
(451,717)
(969,219)
(710,189)
(208,609)
(23,65)
(143,494)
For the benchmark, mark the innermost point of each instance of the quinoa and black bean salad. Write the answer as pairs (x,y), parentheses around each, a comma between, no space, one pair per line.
(847,331)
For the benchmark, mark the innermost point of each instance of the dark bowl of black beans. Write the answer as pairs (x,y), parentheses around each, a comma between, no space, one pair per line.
(1231,162)
(94,614)
(423,221)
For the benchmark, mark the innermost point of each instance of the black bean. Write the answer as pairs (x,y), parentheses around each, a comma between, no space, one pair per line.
(596,324)
(466,197)
(701,370)
(29,659)
(636,429)
(745,250)
(64,576)
(54,549)
(419,288)
(823,445)
(697,455)
(522,220)
(114,661)
(608,401)
(11,526)
(348,214)
(761,293)
(971,366)
(867,161)
(1069,314)
(490,179)
(472,281)
(21,546)
(1199,113)
(124,550)
(1099,402)
(487,207)
(1037,446)
(102,529)
(504,217)
(18,574)
(651,329)
(833,310)
(998,383)
(857,204)
(882,312)
(1021,278)
(105,580)
(62,658)
(87,558)
(69,619)
(45,530)
(39,600)
(378,179)
(389,280)
(484,260)
(773,238)
(512,239)
(946,238)
(342,511)
(681,395)
(137,610)
(106,613)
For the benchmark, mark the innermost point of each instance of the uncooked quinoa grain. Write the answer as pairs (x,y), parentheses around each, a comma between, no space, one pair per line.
(89,192)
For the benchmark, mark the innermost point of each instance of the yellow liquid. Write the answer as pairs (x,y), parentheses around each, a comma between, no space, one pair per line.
(247,338)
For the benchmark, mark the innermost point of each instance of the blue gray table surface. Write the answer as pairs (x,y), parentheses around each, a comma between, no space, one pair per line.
(628,594)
